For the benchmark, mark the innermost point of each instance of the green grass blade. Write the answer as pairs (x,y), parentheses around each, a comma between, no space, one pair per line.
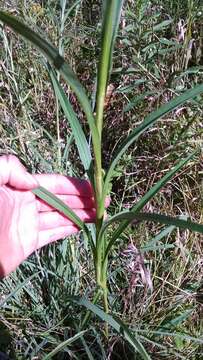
(135,101)
(146,124)
(162,219)
(169,220)
(79,136)
(59,205)
(152,244)
(76,3)
(53,56)
(111,19)
(151,193)
(19,287)
(168,324)
(65,343)
(182,336)
(118,325)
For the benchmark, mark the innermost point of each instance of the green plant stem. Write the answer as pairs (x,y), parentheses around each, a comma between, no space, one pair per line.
(88,313)
(101,273)
(110,23)
(106,308)
(112,10)
(98,194)
(104,285)
(111,14)
(99,259)
(61,52)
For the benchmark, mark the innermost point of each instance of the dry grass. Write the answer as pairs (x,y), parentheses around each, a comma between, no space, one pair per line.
(37,317)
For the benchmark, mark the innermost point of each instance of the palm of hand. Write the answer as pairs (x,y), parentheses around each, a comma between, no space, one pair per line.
(26,222)
(19,226)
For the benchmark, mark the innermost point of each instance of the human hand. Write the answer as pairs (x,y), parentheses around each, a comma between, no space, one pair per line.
(26,222)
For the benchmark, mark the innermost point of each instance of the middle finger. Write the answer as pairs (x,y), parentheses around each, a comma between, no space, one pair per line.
(53,219)
(73,201)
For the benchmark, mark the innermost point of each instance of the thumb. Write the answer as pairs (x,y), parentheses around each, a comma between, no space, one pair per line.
(13,173)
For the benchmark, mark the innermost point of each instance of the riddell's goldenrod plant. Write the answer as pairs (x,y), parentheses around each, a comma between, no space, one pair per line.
(101,243)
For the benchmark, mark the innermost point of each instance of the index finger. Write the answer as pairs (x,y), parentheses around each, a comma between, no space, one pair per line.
(65,185)
(13,172)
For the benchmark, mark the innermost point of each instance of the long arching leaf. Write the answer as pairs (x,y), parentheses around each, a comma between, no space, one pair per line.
(79,136)
(111,19)
(53,56)
(151,193)
(159,218)
(58,204)
(118,325)
(63,345)
(146,124)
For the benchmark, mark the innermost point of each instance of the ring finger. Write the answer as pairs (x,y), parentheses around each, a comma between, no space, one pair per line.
(53,219)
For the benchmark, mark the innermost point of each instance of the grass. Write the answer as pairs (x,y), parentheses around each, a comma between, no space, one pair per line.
(38,314)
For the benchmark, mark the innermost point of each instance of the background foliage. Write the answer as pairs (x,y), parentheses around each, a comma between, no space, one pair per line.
(155,274)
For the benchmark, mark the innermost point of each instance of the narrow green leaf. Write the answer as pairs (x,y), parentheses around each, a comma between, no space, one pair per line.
(158,27)
(150,194)
(152,245)
(168,220)
(138,99)
(146,124)
(59,205)
(87,349)
(168,324)
(117,324)
(157,247)
(162,25)
(18,288)
(128,88)
(53,56)
(76,3)
(162,219)
(79,136)
(167,42)
(111,18)
(182,336)
(38,155)
(53,140)
(65,343)
(69,141)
